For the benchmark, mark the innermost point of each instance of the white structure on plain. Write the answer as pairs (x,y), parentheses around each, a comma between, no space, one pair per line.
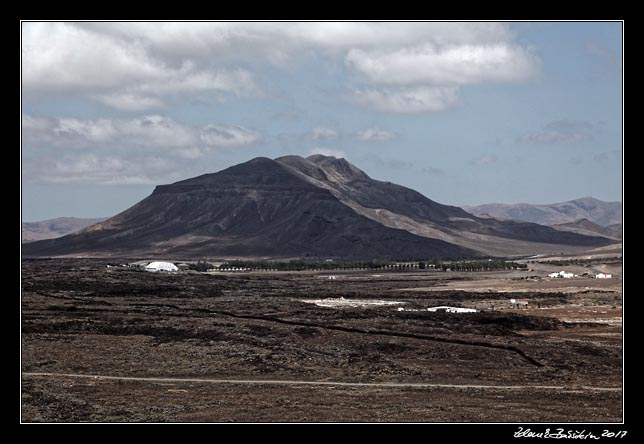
(161,266)
(451,309)
(562,274)
(604,276)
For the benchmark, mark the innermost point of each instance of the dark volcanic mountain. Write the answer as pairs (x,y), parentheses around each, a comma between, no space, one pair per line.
(399,207)
(594,210)
(294,207)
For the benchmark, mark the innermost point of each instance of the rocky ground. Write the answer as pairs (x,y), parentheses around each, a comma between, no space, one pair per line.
(81,318)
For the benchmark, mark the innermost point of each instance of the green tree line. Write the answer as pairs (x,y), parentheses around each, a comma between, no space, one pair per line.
(302,265)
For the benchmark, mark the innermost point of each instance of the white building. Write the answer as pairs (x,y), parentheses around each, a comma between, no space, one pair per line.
(161,266)
(603,276)
(562,274)
(451,309)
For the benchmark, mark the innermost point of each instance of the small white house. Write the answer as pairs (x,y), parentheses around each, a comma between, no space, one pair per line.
(161,266)
(451,309)
(603,276)
(562,274)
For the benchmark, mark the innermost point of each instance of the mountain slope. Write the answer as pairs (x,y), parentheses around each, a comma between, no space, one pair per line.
(586,227)
(399,207)
(595,210)
(53,228)
(255,209)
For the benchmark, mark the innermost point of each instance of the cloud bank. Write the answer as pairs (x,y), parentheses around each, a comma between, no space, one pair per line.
(113,151)
(397,67)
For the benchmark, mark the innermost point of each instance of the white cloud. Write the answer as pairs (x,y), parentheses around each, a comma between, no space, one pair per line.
(429,64)
(154,131)
(190,152)
(327,152)
(278,42)
(157,131)
(187,80)
(375,135)
(62,56)
(409,100)
(99,130)
(72,58)
(145,149)
(429,70)
(392,34)
(560,131)
(391,164)
(132,66)
(322,133)
(34,123)
(129,102)
(484,159)
(65,132)
(151,130)
(225,136)
(102,170)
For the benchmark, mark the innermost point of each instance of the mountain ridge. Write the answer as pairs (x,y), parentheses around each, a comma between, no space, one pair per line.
(600,212)
(57,227)
(584,226)
(400,207)
(292,206)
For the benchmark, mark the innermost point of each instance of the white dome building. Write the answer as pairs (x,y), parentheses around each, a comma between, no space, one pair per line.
(161,266)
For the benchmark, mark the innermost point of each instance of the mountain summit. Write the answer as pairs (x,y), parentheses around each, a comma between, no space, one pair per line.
(319,206)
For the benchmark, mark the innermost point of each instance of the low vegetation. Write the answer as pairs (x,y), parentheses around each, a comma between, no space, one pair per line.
(301,265)
(201,266)
(582,262)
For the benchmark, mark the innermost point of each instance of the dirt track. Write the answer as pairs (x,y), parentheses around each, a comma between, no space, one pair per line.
(347,384)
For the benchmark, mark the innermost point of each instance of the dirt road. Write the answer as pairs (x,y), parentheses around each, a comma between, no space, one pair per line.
(351,384)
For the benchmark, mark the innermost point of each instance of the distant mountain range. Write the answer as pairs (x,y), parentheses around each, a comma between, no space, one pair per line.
(594,210)
(317,207)
(53,228)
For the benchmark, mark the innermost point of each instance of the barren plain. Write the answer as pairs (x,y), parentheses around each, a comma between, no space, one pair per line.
(113,344)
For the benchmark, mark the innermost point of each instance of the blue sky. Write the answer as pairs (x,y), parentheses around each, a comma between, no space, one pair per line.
(465,113)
